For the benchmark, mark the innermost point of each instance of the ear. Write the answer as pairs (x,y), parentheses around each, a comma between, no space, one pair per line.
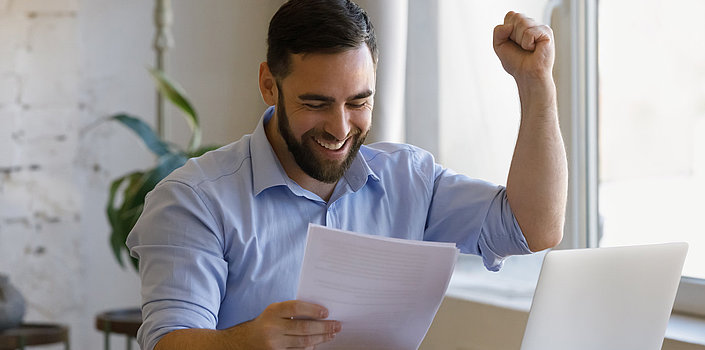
(267,85)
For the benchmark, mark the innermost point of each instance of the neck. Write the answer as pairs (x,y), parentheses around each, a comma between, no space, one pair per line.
(292,169)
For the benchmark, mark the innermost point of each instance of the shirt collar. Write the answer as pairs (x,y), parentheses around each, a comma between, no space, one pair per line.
(359,172)
(268,172)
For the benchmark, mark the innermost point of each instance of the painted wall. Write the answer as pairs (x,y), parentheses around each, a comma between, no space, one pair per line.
(219,46)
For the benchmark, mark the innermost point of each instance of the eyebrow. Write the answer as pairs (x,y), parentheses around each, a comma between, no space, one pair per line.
(364,94)
(316,97)
(323,98)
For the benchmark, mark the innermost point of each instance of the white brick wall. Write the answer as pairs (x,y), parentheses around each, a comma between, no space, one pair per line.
(43,6)
(8,149)
(39,200)
(64,64)
(48,65)
(53,183)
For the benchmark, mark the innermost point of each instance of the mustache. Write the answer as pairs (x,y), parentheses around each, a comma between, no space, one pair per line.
(324,135)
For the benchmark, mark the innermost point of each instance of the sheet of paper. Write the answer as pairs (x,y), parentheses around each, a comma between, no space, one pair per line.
(384,291)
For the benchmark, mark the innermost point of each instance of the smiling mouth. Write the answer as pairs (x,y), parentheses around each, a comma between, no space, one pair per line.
(333,146)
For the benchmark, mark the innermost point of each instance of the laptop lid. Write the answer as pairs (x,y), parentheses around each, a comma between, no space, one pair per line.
(605,298)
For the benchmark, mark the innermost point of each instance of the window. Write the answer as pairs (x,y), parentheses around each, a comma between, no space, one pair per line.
(598,149)
(634,141)
(651,125)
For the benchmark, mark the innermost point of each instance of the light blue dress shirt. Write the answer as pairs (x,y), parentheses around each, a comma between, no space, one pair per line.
(223,237)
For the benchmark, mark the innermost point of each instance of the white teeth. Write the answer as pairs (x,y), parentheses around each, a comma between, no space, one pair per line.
(331,146)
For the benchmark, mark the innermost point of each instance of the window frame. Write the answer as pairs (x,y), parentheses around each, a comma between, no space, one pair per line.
(579,122)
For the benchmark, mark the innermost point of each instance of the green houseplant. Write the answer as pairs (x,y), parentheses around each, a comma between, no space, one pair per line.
(126,196)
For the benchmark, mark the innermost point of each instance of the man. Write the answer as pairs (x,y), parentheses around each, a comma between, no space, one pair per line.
(220,241)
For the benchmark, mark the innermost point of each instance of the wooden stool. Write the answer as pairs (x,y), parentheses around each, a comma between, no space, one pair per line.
(124,321)
(34,334)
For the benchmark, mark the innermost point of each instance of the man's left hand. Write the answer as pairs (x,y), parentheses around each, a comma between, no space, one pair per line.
(525,47)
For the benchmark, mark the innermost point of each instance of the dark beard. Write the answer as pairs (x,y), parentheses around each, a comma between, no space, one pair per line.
(322,170)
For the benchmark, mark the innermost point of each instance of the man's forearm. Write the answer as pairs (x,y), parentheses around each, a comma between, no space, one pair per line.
(291,324)
(537,185)
(195,339)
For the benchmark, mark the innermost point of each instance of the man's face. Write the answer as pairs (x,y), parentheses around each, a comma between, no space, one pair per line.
(324,110)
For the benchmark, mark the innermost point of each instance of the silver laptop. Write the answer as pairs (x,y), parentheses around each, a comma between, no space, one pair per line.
(605,298)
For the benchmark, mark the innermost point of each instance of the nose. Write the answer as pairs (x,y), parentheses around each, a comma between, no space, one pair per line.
(338,123)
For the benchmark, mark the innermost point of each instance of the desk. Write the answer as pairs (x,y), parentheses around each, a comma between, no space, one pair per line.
(34,334)
(124,321)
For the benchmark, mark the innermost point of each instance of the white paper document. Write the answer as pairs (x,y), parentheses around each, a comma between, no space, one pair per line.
(384,291)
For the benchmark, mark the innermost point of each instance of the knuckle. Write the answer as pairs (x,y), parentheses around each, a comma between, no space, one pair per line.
(547,29)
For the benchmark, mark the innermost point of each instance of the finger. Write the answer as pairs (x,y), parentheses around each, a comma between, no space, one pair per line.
(536,35)
(310,327)
(521,24)
(306,341)
(299,309)
(520,29)
(512,19)
(508,17)
(532,36)
(501,34)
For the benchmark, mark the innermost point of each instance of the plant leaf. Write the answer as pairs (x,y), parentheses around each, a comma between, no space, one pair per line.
(134,195)
(138,185)
(113,218)
(137,211)
(134,186)
(135,263)
(128,219)
(124,218)
(175,93)
(117,244)
(145,132)
(116,223)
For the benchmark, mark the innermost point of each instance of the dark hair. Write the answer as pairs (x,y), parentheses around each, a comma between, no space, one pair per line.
(308,26)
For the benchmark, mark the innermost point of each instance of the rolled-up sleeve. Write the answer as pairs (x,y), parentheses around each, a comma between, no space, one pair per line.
(180,250)
(476,215)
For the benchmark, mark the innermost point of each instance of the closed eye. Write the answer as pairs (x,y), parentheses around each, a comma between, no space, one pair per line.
(357,105)
(314,105)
